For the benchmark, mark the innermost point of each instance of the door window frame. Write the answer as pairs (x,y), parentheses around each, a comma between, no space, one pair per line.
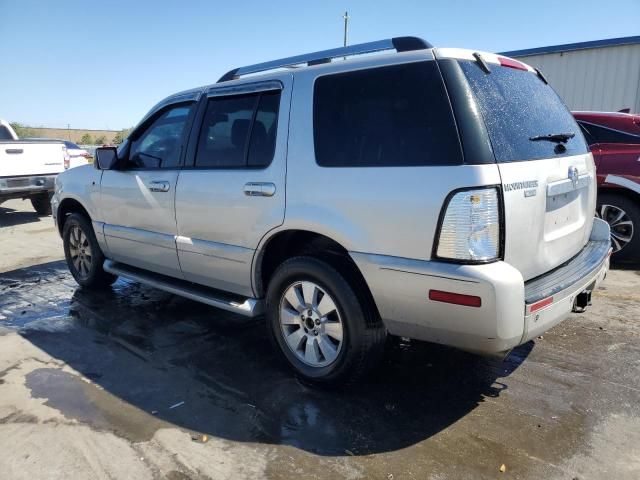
(218,92)
(123,162)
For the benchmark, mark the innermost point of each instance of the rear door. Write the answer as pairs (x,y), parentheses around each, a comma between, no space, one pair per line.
(548,181)
(233,191)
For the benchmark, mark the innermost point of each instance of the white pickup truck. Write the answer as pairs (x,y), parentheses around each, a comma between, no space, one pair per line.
(28,168)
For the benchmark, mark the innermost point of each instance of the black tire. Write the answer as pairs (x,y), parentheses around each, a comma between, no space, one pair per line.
(631,251)
(364,334)
(94,276)
(42,203)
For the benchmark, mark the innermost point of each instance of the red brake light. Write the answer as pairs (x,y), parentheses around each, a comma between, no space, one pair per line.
(509,62)
(455,298)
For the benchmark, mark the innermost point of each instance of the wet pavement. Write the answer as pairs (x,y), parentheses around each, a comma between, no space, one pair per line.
(137,383)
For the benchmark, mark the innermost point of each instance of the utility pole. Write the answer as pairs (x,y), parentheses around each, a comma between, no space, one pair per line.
(68,132)
(346,26)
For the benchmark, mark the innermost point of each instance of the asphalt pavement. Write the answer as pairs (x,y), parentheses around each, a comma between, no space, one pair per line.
(137,383)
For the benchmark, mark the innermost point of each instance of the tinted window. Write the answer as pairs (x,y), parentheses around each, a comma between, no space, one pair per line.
(4,133)
(160,144)
(238,131)
(71,145)
(263,133)
(517,105)
(599,134)
(389,116)
(587,134)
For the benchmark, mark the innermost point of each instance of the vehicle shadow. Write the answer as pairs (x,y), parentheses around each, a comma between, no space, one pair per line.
(186,364)
(10,217)
(625,266)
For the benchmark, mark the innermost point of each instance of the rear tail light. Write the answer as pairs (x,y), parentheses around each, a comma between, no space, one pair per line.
(470,227)
(67,158)
(511,63)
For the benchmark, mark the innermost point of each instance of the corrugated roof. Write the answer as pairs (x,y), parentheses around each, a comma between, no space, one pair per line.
(607,42)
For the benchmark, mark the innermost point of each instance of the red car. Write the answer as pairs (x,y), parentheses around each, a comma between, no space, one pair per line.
(614,139)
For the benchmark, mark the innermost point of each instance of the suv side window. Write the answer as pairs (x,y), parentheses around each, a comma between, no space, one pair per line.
(239,131)
(384,117)
(600,134)
(160,144)
(587,134)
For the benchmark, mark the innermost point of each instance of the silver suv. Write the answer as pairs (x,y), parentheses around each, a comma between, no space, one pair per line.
(440,194)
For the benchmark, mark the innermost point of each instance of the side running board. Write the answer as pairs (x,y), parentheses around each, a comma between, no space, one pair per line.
(249,307)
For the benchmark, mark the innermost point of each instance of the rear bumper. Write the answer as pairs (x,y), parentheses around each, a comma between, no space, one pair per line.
(20,187)
(560,287)
(504,318)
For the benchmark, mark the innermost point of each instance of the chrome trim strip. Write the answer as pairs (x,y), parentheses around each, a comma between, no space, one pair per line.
(223,251)
(141,236)
(623,182)
(248,307)
(566,186)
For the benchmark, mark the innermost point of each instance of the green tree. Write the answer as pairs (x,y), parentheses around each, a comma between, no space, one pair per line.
(121,136)
(101,140)
(86,139)
(22,130)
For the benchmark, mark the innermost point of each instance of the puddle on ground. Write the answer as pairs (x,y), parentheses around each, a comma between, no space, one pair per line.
(208,371)
(86,403)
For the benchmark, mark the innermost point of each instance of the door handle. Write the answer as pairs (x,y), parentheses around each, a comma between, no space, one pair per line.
(259,189)
(159,186)
(14,151)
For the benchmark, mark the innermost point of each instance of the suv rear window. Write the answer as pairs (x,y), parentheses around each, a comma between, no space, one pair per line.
(384,117)
(517,105)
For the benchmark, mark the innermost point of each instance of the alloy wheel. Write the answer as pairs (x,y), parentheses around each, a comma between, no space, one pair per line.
(80,251)
(311,324)
(620,224)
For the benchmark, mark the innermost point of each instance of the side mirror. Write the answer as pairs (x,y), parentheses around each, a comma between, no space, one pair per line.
(106,157)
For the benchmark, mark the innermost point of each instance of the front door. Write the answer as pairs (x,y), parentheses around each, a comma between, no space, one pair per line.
(137,199)
(231,191)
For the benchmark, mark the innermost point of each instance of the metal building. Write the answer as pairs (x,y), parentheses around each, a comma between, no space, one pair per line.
(598,75)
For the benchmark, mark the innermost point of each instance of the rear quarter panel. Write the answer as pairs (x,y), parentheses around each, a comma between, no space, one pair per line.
(382,210)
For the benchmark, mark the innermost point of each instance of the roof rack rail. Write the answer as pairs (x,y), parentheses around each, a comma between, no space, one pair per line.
(400,44)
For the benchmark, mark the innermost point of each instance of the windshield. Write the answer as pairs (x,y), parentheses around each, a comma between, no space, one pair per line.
(518,109)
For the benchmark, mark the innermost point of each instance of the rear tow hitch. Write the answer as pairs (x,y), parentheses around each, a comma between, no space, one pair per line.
(582,301)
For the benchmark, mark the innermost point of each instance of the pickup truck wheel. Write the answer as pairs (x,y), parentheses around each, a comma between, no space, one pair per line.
(83,254)
(42,203)
(321,323)
(623,216)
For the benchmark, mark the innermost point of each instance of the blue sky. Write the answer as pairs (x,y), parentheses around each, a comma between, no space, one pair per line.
(104,64)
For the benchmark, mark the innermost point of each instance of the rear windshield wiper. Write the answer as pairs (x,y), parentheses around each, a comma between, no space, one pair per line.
(554,137)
